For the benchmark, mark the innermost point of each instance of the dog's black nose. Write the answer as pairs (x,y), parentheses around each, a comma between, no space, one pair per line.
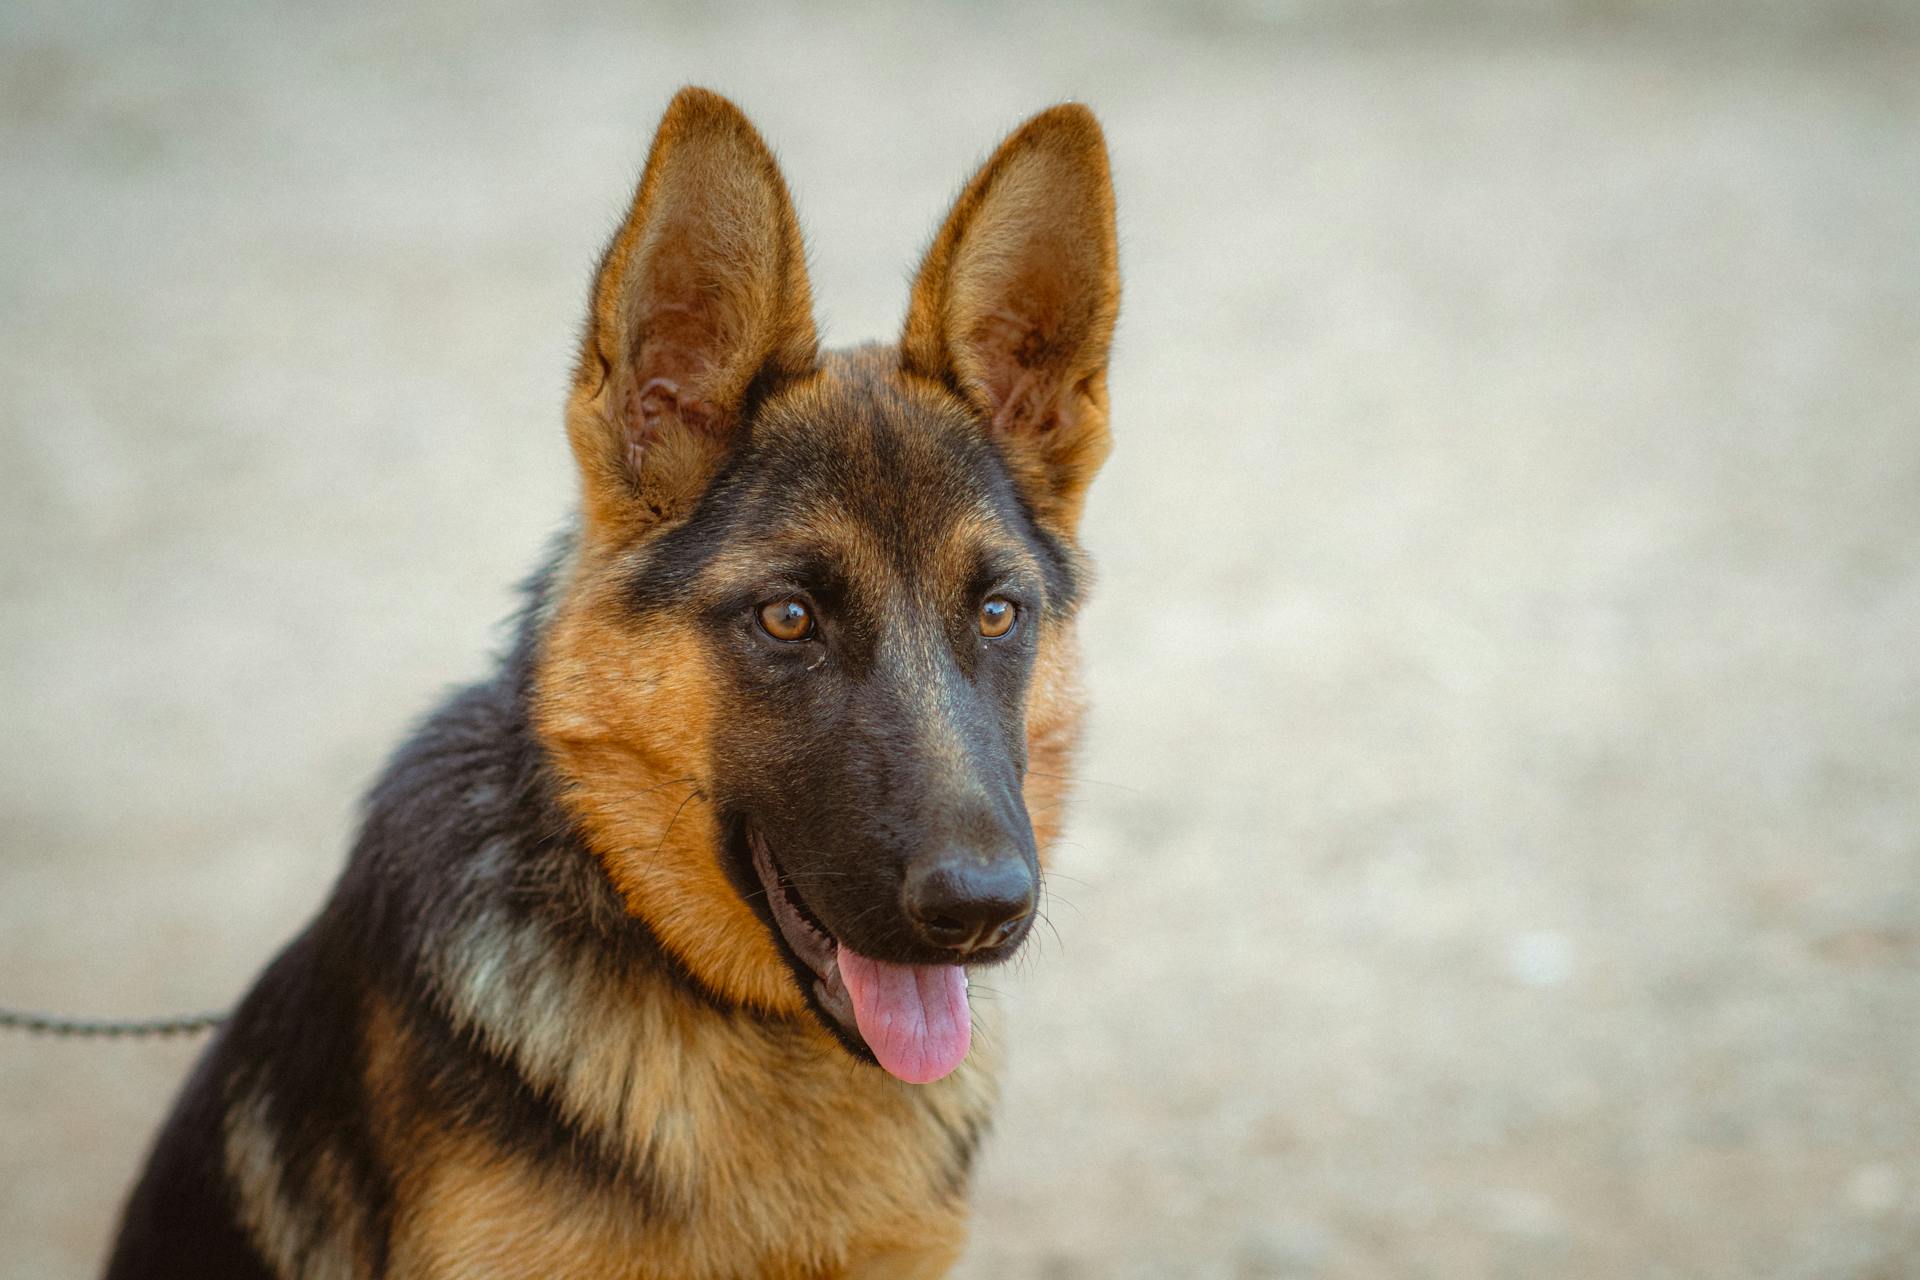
(966,901)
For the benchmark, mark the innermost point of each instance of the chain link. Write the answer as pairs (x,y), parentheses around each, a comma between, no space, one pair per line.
(47,1024)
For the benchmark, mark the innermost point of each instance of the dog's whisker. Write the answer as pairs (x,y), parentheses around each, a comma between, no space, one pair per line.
(1057,939)
(671,782)
(1078,779)
(678,810)
(1065,902)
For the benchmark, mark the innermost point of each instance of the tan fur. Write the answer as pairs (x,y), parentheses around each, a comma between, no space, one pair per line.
(625,718)
(770,1162)
(1055,703)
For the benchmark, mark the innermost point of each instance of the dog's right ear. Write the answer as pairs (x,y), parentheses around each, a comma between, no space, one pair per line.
(700,305)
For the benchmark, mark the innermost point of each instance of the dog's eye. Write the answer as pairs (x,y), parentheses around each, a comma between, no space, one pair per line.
(788,620)
(996,617)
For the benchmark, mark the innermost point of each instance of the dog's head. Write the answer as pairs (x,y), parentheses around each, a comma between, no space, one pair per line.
(808,674)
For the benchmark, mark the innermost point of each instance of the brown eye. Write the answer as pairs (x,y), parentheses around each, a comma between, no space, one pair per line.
(787,620)
(996,617)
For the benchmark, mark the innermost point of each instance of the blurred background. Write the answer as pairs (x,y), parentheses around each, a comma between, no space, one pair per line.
(1500,848)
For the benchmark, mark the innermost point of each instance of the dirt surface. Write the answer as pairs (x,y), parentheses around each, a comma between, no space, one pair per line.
(1501,849)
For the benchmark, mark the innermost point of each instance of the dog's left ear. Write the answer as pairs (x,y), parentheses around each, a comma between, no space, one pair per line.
(700,304)
(1015,303)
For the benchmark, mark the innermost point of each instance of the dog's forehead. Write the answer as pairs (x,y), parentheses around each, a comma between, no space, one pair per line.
(885,484)
(861,459)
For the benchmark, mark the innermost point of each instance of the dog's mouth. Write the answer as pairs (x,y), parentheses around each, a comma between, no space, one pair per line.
(913,1018)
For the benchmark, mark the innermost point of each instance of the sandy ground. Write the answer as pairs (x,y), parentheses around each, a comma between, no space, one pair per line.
(1501,849)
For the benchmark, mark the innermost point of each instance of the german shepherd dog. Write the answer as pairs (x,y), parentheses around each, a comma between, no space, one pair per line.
(651,957)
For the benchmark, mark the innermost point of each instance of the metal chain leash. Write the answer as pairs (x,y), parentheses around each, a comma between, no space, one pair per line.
(47,1024)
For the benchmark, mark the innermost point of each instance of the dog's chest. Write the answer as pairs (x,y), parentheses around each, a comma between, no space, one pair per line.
(743,1153)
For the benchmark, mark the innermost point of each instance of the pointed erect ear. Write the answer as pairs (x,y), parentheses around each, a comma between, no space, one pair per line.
(1015,303)
(700,305)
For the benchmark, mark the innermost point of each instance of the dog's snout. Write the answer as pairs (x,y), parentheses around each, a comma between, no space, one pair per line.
(965,900)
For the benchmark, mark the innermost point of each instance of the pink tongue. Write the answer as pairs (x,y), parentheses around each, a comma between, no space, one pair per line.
(914,1017)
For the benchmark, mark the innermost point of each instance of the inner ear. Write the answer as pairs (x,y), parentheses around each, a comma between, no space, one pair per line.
(701,297)
(672,373)
(1031,323)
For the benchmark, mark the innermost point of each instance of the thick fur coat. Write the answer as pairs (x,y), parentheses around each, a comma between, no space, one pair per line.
(595,995)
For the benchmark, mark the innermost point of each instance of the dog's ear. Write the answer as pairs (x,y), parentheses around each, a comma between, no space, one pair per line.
(1015,303)
(700,306)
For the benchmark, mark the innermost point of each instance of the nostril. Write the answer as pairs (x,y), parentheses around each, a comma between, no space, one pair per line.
(964,902)
(947,928)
